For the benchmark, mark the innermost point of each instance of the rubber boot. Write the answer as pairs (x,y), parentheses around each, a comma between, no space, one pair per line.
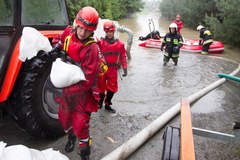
(165,60)
(110,109)
(85,153)
(175,60)
(71,142)
(85,149)
(236,125)
(108,102)
(100,102)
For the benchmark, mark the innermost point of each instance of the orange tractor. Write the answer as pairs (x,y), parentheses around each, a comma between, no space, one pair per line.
(25,88)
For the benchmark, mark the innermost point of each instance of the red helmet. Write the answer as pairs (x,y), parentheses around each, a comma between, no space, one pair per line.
(109,26)
(87,17)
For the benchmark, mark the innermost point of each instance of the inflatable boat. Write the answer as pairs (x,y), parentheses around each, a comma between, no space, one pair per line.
(193,46)
(151,43)
(188,45)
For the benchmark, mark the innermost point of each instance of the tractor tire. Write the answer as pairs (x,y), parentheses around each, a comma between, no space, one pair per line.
(34,107)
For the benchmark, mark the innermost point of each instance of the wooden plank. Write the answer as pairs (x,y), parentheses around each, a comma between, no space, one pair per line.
(187,145)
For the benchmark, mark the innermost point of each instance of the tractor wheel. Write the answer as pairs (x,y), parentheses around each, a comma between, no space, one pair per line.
(34,106)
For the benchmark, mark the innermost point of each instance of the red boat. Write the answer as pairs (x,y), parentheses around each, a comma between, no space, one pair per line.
(193,46)
(188,46)
(152,43)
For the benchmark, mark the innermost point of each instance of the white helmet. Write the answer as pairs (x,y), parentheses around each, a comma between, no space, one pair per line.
(199,27)
(173,25)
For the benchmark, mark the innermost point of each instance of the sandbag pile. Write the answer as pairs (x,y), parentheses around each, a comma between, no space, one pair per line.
(21,152)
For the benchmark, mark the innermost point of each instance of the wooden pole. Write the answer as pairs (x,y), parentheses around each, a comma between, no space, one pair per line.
(186,142)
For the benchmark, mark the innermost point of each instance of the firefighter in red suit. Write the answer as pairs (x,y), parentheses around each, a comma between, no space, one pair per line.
(114,53)
(80,99)
(179,23)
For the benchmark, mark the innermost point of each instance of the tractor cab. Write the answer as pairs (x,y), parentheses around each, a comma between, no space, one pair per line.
(26,84)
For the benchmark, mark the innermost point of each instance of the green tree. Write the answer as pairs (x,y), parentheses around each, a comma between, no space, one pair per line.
(221,16)
(225,24)
(110,9)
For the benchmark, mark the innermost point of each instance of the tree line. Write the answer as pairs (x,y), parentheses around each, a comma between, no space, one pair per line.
(220,16)
(109,9)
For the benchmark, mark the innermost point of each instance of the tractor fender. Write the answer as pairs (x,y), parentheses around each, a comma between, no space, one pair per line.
(11,74)
(15,66)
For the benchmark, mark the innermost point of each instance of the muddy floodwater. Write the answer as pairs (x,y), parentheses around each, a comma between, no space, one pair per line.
(149,90)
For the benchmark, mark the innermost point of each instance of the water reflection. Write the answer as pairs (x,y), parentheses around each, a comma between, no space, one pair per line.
(150,85)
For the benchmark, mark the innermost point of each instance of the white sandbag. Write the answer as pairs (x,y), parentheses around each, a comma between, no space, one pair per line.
(32,41)
(65,74)
(16,152)
(21,152)
(2,147)
(37,155)
(50,154)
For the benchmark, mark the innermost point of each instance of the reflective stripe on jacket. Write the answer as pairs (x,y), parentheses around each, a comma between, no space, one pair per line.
(206,36)
(170,41)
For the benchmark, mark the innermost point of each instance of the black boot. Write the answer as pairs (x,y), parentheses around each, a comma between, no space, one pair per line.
(71,142)
(85,153)
(100,102)
(85,149)
(175,61)
(110,109)
(108,101)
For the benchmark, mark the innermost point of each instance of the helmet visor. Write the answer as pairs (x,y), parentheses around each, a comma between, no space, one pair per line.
(86,23)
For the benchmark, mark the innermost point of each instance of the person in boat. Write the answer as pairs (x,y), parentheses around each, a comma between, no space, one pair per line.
(79,100)
(172,42)
(114,53)
(179,23)
(152,35)
(206,39)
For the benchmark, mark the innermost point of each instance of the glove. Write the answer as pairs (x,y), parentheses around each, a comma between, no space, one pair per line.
(55,52)
(65,58)
(56,48)
(175,49)
(124,72)
(200,43)
(141,38)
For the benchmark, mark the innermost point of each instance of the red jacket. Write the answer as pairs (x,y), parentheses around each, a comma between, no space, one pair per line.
(87,54)
(114,52)
(179,25)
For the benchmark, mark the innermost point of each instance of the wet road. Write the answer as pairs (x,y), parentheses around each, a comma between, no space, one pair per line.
(148,91)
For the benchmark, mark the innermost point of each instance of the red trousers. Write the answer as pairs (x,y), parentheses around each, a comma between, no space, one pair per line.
(73,114)
(109,80)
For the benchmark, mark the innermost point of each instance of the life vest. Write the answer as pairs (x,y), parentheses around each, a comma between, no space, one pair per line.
(206,36)
(102,63)
(111,52)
